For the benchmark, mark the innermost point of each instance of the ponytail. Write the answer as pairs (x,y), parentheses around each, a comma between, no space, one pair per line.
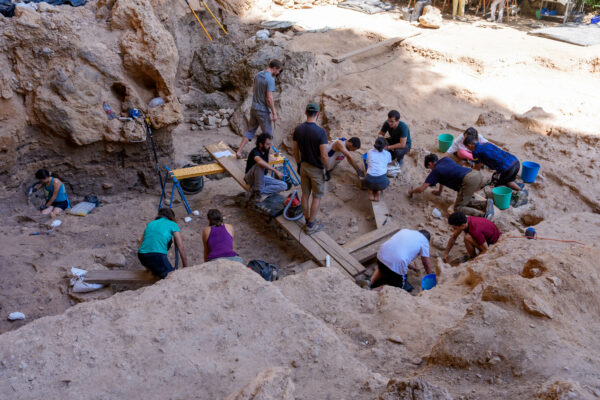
(379,144)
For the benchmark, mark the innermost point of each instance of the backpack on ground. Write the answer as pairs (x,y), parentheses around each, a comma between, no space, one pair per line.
(269,272)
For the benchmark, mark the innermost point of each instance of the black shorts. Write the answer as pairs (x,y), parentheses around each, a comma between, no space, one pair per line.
(157,263)
(510,175)
(61,204)
(390,278)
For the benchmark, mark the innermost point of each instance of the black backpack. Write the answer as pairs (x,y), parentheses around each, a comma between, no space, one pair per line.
(269,272)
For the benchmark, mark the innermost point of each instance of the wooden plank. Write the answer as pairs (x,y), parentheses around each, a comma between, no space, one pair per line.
(120,276)
(213,168)
(368,238)
(380,211)
(344,258)
(391,41)
(230,163)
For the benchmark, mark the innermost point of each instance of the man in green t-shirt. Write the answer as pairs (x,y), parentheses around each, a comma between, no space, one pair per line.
(398,143)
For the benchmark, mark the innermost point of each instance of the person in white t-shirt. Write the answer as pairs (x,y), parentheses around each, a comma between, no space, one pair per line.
(395,256)
(377,161)
(460,150)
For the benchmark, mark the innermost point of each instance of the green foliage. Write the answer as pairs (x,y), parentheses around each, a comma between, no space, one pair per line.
(592,3)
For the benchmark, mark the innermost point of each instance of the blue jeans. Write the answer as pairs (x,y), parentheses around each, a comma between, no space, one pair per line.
(264,184)
(157,263)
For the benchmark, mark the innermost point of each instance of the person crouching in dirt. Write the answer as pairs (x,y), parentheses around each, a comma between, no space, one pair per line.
(377,160)
(56,195)
(156,241)
(257,166)
(399,143)
(396,255)
(479,234)
(340,149)
(506,165)
(218,238)
(463,180)
(459,150)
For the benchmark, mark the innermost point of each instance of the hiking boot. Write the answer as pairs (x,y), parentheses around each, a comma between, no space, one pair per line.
(315,227)
(489,211)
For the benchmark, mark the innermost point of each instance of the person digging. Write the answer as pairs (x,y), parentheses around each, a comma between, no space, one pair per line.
(464,181)
(480,233)
(338,151)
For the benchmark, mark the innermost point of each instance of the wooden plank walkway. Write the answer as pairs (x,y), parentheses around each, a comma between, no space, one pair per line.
(211,169)
(381,212)
(120,276)
(362,50)
(318,245)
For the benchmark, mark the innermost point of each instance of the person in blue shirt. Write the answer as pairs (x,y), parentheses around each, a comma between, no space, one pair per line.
(463,180)
(155,243)
(56,195)
(263,105)
(505,164)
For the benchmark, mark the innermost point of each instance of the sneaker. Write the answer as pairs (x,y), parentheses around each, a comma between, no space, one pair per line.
(490,19)
(489,211)
(314,228)
(521,198)
(462,19)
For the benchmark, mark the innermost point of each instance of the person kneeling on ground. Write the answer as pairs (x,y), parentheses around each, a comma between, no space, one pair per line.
(460,150)
(257,166)
(479,234)
(218,238)
(463,180)
(396,255)
(156,241)
(377,160)
(56,195)
(399,143)
(340,149)
(506,165)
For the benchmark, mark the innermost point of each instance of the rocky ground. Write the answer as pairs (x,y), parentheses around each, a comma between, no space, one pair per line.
(517,322)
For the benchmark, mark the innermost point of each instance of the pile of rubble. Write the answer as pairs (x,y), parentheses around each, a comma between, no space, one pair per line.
(210,119)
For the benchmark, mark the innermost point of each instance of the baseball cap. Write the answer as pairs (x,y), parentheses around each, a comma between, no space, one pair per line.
(312,107)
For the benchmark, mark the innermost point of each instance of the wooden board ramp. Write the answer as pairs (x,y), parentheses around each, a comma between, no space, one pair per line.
(318,245)
(120,276)
(381,213)
(362,50)
(371,237)
(211,169)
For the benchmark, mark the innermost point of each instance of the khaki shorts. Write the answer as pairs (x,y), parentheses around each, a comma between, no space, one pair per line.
(312,180)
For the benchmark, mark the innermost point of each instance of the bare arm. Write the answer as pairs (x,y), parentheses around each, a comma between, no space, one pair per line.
(141,240)
(324,156)
(420,189)
(230,229)
(451,241)
(341,147)
(267,166)
(426,264)
(296,152)
(179,244)
(205,234)
(271,104)
(439,191)
(55,189)
(483,248)
(400,145)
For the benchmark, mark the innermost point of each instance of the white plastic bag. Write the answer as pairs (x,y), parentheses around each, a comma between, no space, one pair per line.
(79,284)
(13,316)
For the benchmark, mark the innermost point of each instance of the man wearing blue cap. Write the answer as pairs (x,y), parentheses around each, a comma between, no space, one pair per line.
(310,152)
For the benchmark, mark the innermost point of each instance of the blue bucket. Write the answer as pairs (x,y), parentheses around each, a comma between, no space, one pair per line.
(428,282)
(365,161)
(529,171)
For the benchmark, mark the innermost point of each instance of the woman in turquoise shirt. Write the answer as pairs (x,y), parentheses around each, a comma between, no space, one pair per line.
(56,195)
(155,243)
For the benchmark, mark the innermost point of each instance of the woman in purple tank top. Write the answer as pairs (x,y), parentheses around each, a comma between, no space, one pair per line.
(218,238)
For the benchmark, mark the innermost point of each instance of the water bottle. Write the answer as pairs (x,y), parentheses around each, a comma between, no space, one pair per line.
(108,110)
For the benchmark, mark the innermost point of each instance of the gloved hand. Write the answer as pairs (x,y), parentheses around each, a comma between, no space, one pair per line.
(298,167)
(326,175)
(360,173)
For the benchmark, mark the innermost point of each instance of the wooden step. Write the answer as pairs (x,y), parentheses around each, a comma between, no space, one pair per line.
(120,276)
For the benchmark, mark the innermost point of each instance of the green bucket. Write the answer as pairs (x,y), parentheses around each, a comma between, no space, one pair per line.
(445,141)
(502,195)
